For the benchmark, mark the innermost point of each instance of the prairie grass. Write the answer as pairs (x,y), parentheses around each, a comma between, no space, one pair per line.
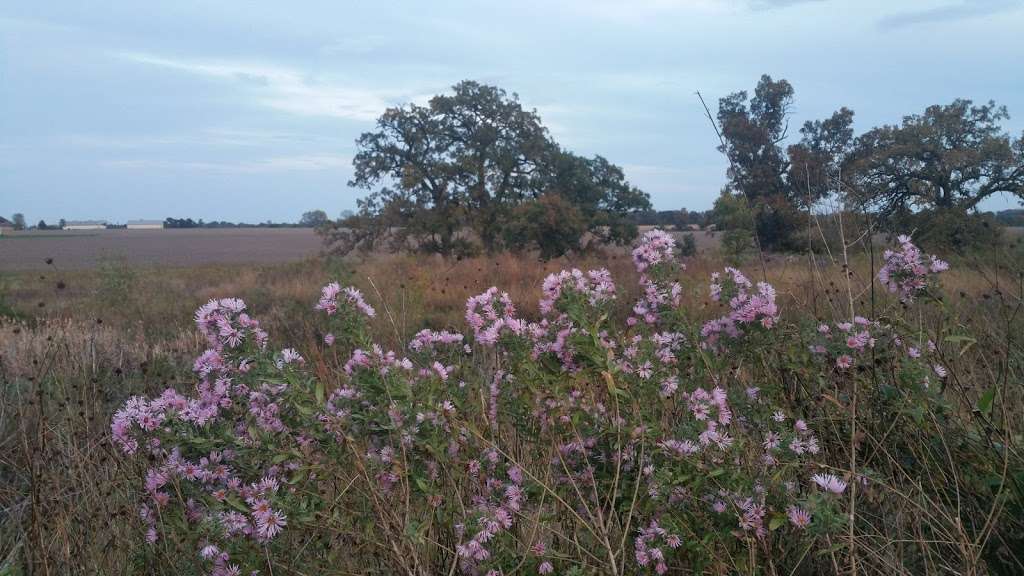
(75,344)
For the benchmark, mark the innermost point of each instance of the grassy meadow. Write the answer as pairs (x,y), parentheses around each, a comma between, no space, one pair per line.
(947,481)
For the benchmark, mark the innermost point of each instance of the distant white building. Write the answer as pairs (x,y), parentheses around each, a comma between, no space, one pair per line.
(86,225)
(145,224)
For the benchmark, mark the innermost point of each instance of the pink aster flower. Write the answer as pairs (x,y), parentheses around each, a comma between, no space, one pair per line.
(798,516)
(656,246)
(906,271)
(830,483)
(271,525)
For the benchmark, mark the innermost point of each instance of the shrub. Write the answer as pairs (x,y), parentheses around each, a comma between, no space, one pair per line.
(955,230)
(689,247)
(571,442)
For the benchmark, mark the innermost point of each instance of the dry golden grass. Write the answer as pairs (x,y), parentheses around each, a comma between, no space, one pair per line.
(88,339)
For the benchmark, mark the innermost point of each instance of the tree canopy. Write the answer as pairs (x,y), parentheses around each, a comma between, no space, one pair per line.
(752,132)
(314,219)
(816,162)
(950,157)
(945,161)
(473,170)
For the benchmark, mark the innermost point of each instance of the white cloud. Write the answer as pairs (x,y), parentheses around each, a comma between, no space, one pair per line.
(303,163)
(21,24)
(208,137)
(638,11)
(355,45)
(287,89)
(953,12)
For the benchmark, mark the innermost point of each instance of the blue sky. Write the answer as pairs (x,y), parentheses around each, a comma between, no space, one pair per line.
(229,110)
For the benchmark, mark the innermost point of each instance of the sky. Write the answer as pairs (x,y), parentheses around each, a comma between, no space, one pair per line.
(249,112)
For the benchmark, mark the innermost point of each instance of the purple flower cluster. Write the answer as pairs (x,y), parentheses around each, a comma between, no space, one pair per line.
(596,286)
(225,324)
(655,252)
(227,328)
(649,545)
(747,307)
(240,461)
(491,313)
(329,300)
(906,271)
(656,247)
(847,341)
(242,394)
(426,339)
(497,503)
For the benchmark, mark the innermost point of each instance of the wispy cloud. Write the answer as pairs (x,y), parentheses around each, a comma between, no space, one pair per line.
(287,89)
(304,163)
(949,12)
(637,11)
(30,25)
(772,4)
(355,45)
(209,137)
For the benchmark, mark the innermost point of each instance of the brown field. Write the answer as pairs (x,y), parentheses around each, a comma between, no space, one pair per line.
(75,250)
(88,249)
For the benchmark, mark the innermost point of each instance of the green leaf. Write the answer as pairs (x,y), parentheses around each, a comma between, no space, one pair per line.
(986,400)
(776,522)
(422,484)
(236,504)
(831,549)
(319,392)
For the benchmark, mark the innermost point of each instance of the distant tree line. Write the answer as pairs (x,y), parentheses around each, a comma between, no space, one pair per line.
(190,223)
(1009,217)
(678,219)
(311,219)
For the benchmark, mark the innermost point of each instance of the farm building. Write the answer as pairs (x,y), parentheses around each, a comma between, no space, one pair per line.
(86,225)
(145,224)
(5,226)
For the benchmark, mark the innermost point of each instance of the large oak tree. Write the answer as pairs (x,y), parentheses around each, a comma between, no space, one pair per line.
(460,174)
(951,157)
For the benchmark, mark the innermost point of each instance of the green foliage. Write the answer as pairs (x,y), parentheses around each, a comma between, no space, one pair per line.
(737,245)
(6,309)
(117,281)
(815,163)
(550,225)
(752,131)
(314,219)
(732,216)
(948,160)
(454,171)
(760,170)
(950,157)
(953,229)
(688,247)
